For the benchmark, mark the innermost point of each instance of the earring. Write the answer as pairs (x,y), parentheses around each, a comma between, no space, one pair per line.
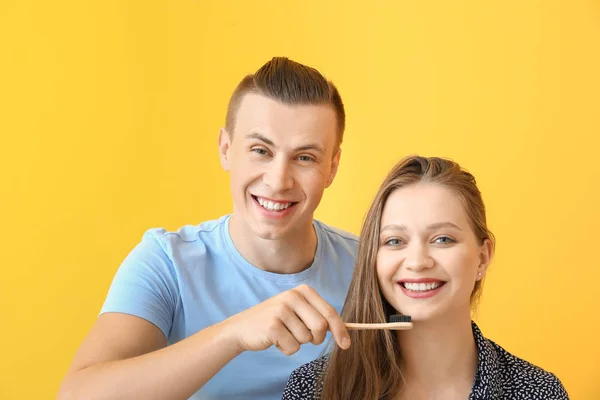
(479,274)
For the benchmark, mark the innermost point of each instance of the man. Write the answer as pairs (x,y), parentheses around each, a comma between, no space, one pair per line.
(226,309)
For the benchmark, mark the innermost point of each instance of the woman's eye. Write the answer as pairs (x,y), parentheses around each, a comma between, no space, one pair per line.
(393,242)
(444,240)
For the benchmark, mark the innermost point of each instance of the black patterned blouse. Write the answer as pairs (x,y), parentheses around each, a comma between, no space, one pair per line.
(499,376)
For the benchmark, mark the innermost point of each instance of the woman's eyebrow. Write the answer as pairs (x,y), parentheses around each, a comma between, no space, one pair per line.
(437,225)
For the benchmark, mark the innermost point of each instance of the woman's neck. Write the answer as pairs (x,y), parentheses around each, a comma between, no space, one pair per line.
(439,358)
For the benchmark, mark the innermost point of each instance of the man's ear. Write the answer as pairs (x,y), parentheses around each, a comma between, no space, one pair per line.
(335,162)
(224,142)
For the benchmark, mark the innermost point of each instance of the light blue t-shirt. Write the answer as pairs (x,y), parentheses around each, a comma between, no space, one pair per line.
(188,280)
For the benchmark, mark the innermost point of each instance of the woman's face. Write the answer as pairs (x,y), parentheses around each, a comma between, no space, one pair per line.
(428,258)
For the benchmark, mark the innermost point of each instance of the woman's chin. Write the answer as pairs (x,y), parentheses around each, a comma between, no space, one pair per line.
(421,314)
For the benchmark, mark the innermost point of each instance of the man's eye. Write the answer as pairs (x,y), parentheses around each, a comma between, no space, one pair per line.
(306,158)
(260,151)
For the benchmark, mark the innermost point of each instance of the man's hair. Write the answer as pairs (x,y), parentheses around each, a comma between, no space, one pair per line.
(290,83)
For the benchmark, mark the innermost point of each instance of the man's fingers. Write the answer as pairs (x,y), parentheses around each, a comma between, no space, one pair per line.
(284,340)
(335,323)
(312,320)
(295,325)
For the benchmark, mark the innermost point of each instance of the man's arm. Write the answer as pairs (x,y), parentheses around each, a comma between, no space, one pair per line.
(125,357)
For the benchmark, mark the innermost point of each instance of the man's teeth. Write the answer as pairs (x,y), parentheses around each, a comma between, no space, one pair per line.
(422,287)
(272,206)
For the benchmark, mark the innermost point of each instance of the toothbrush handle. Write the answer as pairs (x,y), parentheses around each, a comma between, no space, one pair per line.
(389,325)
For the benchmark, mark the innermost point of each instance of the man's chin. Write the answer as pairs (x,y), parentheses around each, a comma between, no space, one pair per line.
(271,235)
(269,231)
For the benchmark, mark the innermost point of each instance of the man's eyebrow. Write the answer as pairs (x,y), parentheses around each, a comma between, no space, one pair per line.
(262,138)
(267,141)
(311,146)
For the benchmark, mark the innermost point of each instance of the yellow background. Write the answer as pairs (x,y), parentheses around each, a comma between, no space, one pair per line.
(109,114)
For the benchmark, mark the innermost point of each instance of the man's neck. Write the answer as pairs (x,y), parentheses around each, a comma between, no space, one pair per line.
(439,357)
(287,255)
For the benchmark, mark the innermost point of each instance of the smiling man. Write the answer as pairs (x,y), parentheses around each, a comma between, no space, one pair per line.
(229,308)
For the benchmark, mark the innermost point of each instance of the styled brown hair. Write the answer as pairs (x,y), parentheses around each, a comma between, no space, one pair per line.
(290,83)
(370,368)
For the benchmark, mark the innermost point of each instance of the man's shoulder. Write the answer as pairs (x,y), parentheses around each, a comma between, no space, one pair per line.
(205,233)
(336,234)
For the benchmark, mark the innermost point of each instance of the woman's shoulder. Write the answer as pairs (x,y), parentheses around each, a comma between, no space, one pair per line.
(518,375)
(302,383)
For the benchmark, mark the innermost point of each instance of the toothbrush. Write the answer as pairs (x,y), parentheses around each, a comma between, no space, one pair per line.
(397,322)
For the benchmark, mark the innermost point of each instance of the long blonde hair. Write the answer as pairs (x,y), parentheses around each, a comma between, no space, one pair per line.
(370,368)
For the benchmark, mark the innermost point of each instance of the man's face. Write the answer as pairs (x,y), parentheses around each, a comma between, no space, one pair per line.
(280,158)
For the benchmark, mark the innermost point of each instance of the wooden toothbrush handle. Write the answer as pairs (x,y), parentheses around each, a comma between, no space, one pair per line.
(390,325)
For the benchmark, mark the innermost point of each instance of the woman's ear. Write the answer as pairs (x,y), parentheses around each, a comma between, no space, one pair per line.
(486,253)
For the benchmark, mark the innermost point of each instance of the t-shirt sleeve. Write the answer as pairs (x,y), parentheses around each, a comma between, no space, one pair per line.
(145,284)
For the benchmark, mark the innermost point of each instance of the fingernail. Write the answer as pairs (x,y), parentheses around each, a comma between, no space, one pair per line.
(345,342)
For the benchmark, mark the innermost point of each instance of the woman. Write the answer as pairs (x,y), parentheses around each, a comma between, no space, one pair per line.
(424,252)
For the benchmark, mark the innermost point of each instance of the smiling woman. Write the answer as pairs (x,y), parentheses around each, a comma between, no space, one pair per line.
(424,252)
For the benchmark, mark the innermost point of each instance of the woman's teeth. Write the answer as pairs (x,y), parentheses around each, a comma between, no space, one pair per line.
(421,287)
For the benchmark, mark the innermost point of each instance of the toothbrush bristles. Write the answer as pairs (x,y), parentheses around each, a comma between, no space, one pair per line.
(400,318)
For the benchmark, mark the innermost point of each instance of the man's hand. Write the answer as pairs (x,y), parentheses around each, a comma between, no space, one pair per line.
(287,320)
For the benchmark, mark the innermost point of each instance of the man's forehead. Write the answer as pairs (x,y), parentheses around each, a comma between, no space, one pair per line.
(263,118)
(257,106)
